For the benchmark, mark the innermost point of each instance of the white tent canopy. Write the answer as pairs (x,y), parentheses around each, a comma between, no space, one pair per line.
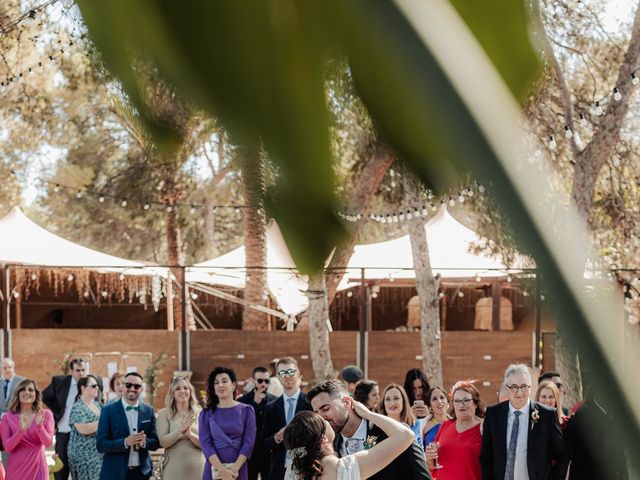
(449,242)
(283,281)
(24,242)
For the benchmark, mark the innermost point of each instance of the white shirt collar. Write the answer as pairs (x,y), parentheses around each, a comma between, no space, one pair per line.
(361,432)
(524,410)
(125,404)
(295,396)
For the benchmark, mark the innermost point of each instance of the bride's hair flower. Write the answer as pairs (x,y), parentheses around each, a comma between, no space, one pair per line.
(297,452)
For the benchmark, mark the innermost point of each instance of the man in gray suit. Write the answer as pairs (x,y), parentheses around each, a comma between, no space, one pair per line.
(9,382)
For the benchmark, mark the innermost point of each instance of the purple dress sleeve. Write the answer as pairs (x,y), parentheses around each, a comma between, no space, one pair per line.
(204,433)
(249,433)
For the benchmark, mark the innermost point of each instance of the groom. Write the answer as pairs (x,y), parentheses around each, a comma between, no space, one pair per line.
(354,433)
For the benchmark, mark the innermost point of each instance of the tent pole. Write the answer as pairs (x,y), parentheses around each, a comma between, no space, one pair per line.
(362,361)
(6,312)
(538,360)
(496,294)
(186,361)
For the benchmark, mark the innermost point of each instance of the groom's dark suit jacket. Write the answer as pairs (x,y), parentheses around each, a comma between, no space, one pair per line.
(274,420)
(546,451)
(410,464)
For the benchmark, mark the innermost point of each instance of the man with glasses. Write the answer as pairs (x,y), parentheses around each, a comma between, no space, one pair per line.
(521,439)
(280,412)
(258,398)
(59,396)
(126,434)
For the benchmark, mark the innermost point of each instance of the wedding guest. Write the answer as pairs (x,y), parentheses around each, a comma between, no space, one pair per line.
(116,387)
(351,375)
(549,395)
(280,412)
(456,448)
(60,396)
(438,407)
(27,429)
(416,385)
(354,433)
(367,393)
(521,438)
(557,380)
(227,428)
(395,404)
(126,434)
(177,426)
(84,459)
(258,399)
(9,382)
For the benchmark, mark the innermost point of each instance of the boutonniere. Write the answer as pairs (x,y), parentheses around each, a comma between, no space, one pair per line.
(370,442)
(535,416)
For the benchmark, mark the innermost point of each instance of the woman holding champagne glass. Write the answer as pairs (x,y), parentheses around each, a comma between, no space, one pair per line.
(455,454)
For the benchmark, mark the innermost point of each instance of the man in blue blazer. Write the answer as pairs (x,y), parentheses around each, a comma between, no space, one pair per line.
(279,413)
(126,434)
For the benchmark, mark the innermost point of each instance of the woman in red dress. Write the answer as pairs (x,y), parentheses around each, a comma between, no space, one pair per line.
(457,445)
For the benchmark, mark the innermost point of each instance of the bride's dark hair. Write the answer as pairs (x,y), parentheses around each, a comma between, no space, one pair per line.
(303,439)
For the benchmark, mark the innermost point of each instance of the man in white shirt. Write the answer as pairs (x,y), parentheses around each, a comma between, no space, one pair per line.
(59,396)
(126,446)
(521,439)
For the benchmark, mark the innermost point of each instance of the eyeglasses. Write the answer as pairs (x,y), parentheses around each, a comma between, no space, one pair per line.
(287,373)
(518,388)
(463,401)
(95,385)
(263,380)
(135,386)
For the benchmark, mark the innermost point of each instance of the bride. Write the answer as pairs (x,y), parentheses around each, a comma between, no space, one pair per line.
(309,440)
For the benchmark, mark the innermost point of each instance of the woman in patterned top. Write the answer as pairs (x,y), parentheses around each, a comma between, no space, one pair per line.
(84,460)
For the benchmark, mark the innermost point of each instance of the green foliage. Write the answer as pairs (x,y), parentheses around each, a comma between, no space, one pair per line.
(151,374)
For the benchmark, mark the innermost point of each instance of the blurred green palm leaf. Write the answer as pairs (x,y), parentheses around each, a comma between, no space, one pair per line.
(257,66)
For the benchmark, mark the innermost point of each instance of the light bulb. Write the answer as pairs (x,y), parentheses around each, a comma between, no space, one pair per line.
(401,216)
(478,278)
(583,121)
(79,195)
(349,294)
(452,202)
(461,198)
(169,208)
(383,219)
(617,96)
(509,278)
(596,109)
(70,278)
(425,212)
(101,199)
(567,132)
(395,218)
(56,188)
(124,203)
(552,143)
(635,80)
(146,206)
(460,294)
(30,19)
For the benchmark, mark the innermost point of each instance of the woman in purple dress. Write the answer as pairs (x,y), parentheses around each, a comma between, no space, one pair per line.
(227,429)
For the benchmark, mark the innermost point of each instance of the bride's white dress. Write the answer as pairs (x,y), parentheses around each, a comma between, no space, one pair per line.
(348,469)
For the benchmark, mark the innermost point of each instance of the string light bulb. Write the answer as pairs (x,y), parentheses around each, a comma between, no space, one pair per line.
(124,203)
(634,79)
(30,19)
(192,210)
(596,109)
(101,199)
(583,121)
(567,132)
(146,206)
(56,189)
(79,195)
(617,96)
(552,142)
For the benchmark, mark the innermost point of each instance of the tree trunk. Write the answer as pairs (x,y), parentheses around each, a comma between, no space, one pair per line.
(359,202)
(318,328)
(255,243)
(427,288)
(173,257)
(211,251)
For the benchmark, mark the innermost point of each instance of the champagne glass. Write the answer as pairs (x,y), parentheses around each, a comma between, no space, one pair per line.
(434,446)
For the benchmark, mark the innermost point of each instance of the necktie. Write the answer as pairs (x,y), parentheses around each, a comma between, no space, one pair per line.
(511,452)
(130,407)
(291,409)
(6,388)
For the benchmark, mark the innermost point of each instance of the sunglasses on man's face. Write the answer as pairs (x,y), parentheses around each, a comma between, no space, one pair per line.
(95,385)
(288,373)
(263,380)
(129,385)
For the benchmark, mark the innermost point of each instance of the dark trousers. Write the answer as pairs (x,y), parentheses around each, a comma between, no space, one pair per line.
(135,474)
(261,466)
(62,441)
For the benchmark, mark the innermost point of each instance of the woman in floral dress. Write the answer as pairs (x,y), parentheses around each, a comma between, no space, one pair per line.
(84,460)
